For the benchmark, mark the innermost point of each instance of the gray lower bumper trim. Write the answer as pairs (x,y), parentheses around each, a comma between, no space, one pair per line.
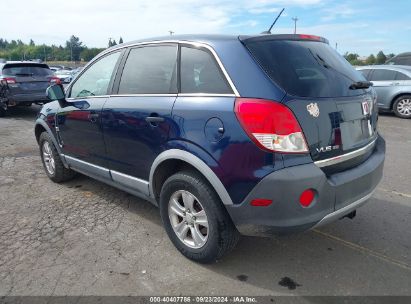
(344,211)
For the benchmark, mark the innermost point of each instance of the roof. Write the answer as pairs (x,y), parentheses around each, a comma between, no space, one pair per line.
(204,38)
(212,39)
(402,68)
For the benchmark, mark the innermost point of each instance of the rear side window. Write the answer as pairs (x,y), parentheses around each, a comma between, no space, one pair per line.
(201,74)
(401,76)
(150,70)
(382,75)
(305,68)
(26,70)
(96,79)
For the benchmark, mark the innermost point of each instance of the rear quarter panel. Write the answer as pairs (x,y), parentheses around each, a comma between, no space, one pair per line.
(238,162)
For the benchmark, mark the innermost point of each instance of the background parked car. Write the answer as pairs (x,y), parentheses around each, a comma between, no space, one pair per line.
(65,76)
(26,83)
(401,59)
(393,86)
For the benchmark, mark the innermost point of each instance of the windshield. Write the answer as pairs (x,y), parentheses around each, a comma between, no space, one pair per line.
(26,70)
(306,68)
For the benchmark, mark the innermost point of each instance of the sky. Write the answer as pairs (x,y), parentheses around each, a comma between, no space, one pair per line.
(362,26)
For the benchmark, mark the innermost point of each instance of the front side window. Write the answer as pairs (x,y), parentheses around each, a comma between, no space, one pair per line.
(150,70)
(201,74)
(366,73)
(96,79)
(383,75)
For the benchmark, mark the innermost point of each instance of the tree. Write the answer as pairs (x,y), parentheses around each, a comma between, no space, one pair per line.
(371,59)
(381,58)
(120,41)
(31,42)
(74,47)
(351,58)
(113,43)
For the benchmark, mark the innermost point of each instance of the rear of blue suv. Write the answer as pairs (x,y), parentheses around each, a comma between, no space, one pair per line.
(255,135)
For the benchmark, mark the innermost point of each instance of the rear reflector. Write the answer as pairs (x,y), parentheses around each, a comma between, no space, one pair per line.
(261,202)
(271,125)
(307,197)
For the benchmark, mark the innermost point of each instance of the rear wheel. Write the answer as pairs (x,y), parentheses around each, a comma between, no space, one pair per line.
(195,219)
(52,163)
(402,106)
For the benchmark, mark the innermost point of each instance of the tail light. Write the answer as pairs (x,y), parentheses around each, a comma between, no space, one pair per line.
(271,125)
(54,80)
(10,80)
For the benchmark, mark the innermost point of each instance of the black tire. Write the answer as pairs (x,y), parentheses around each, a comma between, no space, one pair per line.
(222,236)
(3,110)
(61,173)
(396,104)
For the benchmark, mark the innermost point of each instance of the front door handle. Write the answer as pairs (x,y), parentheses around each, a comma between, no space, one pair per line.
(93,117)
(154,119)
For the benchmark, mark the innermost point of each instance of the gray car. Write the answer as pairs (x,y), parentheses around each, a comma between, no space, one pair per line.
(393,86)
(26,83)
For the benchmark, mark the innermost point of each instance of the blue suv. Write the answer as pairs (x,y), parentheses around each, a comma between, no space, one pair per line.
(228,135)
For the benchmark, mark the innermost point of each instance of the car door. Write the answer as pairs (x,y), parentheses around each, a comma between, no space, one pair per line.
(79,123)
(384,84)
(137,119)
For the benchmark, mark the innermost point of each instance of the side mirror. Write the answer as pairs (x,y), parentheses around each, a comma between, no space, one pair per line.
(56,92)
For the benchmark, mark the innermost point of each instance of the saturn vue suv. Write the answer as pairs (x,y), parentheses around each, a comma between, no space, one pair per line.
(227,135)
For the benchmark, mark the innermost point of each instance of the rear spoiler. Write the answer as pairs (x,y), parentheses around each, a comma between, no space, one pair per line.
(297,37)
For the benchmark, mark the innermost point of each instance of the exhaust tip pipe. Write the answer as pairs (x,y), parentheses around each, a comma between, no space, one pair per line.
(350,215)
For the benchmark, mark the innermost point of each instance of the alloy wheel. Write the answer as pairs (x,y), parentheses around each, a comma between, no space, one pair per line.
(48,158)
(188,219)
(404,107)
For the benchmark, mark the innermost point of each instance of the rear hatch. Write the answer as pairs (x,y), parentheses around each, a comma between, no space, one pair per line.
(339,120)
(30,78)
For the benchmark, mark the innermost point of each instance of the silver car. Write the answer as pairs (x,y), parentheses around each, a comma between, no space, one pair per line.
(393,86)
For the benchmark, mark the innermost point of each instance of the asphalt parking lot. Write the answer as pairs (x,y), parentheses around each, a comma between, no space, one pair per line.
(86,238)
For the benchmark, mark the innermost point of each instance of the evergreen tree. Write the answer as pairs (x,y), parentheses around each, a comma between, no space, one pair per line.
(120,41)
(381,58)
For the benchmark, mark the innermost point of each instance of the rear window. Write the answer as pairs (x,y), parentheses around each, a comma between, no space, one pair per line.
(400,60)
(306,68)
(28,69)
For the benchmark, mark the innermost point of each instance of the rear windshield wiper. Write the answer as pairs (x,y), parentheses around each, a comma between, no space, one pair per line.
(360,85)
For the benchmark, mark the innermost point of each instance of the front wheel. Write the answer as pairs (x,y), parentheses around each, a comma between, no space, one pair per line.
(51,160)
(402,106)
(195,218)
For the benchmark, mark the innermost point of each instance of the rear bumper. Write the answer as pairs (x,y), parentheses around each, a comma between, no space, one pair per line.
(337,195)
(17,99)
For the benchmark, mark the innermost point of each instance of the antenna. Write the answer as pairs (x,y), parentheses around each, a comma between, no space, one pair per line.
(295,19)
(269,30)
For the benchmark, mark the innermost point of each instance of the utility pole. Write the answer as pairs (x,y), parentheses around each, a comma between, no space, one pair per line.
(171,33)
(295,19)
(71,51)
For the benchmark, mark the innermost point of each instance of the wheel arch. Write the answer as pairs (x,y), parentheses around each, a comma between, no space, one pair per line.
(40,127)
(173,161)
